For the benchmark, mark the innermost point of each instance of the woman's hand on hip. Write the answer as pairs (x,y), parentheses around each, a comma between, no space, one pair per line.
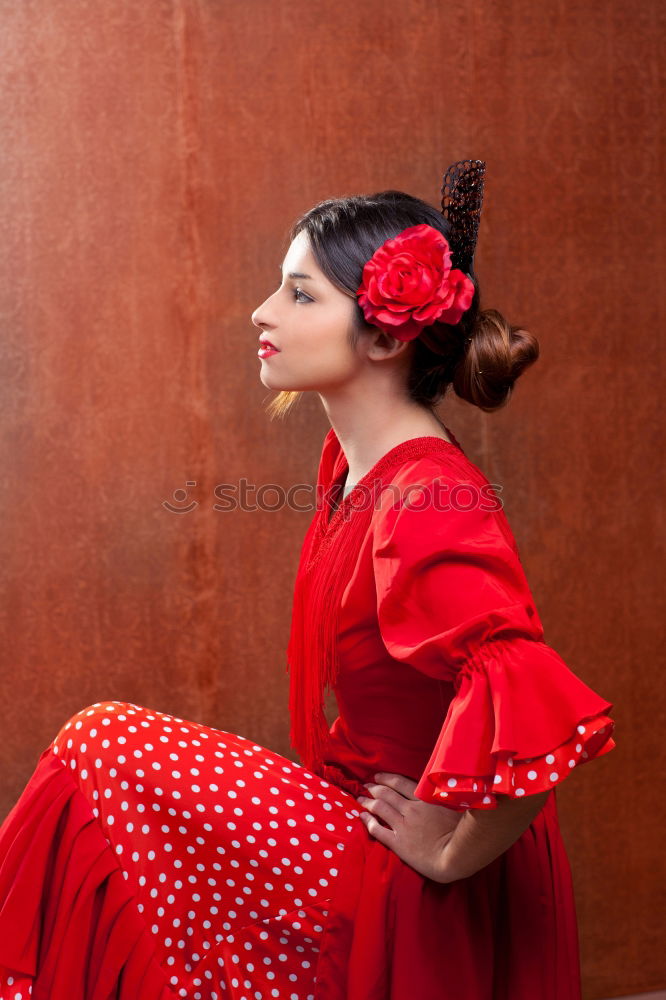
(416,831)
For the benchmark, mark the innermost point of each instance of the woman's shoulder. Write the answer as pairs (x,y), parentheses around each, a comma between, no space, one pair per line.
(436,495)
(442,467)
(439,459)
(426,482)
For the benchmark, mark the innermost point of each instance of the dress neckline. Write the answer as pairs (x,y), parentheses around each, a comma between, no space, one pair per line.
(410,448)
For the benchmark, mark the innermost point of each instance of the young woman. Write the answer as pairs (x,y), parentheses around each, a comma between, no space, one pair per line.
(414,852)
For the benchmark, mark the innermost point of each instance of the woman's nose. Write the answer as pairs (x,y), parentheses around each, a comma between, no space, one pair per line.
(260,315)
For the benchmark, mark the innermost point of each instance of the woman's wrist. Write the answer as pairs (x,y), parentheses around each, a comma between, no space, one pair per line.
(483,834)
(445,869)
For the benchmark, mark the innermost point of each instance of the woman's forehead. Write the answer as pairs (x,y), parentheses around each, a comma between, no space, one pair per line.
(300,262)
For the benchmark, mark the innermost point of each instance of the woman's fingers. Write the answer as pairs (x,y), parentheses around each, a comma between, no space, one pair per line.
(382,808)
(381,833)
(382,793)
(402,784)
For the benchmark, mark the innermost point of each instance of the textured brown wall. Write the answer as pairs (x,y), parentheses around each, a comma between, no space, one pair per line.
(153,156)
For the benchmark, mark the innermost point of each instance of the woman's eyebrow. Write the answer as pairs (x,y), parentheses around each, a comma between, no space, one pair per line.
(297,274)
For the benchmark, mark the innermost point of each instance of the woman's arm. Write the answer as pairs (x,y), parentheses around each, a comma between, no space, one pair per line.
(441,843)
(483,834)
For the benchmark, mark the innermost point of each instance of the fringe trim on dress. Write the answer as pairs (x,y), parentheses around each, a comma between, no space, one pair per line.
(320,584)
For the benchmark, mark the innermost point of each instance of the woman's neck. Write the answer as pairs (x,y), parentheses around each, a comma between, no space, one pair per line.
(364,447)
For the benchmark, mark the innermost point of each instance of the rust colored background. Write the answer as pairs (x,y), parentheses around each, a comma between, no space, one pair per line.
(153,156)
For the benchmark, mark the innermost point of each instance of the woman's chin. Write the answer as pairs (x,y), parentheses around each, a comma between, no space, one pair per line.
(272,383)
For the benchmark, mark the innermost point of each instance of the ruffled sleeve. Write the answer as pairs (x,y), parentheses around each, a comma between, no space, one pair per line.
(453,602)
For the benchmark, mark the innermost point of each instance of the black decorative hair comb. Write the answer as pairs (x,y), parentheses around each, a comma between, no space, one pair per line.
(462,198)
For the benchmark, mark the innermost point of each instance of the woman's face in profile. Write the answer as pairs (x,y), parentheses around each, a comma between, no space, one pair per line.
(308,319)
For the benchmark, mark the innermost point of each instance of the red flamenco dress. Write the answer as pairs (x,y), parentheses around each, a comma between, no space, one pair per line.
(150,857)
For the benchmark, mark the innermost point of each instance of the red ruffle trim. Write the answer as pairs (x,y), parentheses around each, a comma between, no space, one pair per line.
(69,924)
(519,723)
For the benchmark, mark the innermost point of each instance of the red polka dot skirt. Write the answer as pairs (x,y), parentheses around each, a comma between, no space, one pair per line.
(151,857)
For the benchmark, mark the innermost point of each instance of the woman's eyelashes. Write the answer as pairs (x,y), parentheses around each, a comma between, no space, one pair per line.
(297,292)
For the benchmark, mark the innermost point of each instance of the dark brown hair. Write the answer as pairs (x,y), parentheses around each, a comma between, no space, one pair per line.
(344,234)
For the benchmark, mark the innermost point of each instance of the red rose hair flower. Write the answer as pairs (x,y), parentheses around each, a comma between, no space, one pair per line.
(408,284)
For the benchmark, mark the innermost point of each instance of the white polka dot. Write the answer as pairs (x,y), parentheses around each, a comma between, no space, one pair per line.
(531,775)
(550,759)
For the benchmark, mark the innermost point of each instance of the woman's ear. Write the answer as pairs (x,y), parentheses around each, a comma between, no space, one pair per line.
(382,345)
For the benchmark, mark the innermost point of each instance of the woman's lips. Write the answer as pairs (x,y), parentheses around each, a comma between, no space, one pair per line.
(266,350)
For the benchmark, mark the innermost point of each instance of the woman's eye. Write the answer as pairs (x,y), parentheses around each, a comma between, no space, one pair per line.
(297,292)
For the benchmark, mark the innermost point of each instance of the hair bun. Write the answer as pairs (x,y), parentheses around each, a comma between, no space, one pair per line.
(496,354)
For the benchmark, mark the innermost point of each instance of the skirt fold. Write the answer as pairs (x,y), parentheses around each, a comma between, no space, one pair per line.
(69,924)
